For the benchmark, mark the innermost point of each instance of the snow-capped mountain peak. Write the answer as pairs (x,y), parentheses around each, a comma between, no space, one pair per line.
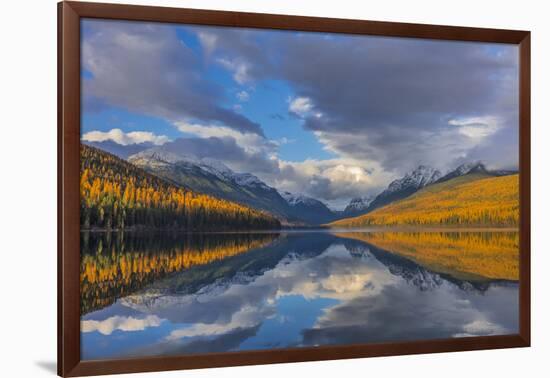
(302,205)
(464,169)
(418,178)
(407,185)
(295,199)
(469,167)
(359,204)
(212,166)
(247,179)
(156,157)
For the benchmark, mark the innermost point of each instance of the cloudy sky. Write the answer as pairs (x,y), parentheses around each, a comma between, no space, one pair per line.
(328,115)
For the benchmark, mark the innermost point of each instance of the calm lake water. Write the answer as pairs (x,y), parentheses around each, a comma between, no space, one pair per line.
(169,294)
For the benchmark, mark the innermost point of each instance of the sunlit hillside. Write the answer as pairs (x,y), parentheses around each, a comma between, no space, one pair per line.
(463,255)
(115,194)
(471,200)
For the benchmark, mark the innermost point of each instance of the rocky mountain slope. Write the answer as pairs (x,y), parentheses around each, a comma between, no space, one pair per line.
(475,199)
(405,186)
(212,177)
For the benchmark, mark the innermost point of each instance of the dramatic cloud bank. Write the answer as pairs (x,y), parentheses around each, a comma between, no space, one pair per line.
(145,68)
(378,106)
(396,101)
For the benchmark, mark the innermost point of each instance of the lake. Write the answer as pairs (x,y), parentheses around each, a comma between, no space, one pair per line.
(149,294)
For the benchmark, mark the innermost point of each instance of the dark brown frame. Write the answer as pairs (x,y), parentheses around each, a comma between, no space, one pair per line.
(69,15)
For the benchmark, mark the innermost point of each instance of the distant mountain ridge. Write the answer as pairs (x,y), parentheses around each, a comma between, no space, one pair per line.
(357,205)
(405,186)
(464,169)
(119,150)
(474,199)
(310,209)
(211,176)
(116,194)
(421,177)
(475,167)
(158,158)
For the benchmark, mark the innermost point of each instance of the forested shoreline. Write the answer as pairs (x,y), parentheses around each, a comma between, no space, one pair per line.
(116,195)
(467,201)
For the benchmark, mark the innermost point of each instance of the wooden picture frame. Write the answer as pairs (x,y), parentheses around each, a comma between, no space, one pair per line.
(69,16)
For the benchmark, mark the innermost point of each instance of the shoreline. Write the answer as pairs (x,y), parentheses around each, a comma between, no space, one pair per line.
(413,229)
(426,229)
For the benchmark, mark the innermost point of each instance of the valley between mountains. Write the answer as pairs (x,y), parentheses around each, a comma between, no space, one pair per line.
(154,188)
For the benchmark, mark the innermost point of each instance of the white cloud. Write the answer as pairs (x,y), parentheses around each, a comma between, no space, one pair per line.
(247,317)
(476,127)
(348,173)
(301,106)
(119,323)
(208,41)
(240,69)
(243,96)
(250,142)
(284,140)
(120,137)
(333,180)
(481,327)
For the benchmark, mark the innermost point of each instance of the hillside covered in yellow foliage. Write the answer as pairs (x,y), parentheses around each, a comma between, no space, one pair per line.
(474,200)
(463,255)
(115,194)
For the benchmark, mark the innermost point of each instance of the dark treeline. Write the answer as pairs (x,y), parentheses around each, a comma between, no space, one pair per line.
(115,194)
(117,264)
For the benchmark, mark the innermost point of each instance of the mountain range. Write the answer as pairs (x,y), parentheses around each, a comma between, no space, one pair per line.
(358,205)
(120,150)
(116,194)
(405,186)
(213,177)
(473,199)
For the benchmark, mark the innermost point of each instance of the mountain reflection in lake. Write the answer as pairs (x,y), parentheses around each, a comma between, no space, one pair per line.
(151,294)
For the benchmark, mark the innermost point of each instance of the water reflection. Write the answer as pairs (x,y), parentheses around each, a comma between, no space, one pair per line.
(117,264)
(468,255)
(292,290)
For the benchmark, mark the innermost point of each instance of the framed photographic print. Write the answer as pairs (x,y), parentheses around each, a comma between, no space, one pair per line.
(239,188)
